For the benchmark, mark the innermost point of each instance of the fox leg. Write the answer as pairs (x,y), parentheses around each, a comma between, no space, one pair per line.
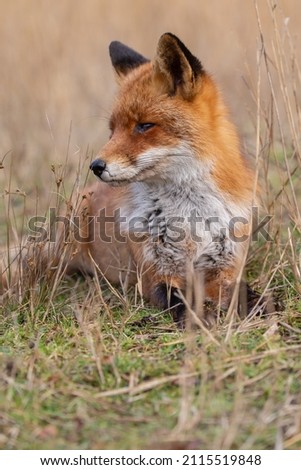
(220,286)
(166,296)
(161,290)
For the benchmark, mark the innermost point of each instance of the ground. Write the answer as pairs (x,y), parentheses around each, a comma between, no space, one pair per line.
(77,373)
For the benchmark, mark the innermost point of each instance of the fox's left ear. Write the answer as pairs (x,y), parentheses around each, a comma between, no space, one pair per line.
(176,70)
(124,59)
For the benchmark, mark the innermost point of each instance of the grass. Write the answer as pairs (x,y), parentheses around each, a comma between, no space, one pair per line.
(82,366)
(83,379)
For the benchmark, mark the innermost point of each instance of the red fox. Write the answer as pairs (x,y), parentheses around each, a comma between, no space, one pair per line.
(175,193)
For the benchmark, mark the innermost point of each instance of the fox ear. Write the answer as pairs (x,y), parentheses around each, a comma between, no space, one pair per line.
(176,69)
(124,59)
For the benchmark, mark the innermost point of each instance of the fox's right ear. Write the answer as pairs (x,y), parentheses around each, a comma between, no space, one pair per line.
(124,59)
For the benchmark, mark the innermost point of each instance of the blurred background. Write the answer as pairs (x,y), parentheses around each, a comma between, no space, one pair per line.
(56,82)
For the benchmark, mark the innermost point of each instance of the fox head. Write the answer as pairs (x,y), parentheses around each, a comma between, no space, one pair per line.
(167,118)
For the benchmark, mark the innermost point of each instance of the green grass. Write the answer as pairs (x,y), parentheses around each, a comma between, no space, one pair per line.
(85,377)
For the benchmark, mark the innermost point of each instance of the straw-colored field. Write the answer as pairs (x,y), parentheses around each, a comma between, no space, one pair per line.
(79,365)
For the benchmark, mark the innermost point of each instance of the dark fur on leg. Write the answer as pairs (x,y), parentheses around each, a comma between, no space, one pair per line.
(167,298)
(249,299)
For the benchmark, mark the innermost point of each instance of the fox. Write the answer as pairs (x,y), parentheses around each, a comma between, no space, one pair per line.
(174,192)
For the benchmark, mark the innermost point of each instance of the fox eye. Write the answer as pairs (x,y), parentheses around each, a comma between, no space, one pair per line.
(143,126)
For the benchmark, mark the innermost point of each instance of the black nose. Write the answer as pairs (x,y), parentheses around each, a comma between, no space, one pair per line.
(98,166)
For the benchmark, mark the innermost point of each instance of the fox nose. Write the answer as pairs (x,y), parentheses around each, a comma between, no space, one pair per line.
(98,166)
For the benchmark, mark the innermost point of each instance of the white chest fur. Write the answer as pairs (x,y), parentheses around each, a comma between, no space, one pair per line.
(183,220)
